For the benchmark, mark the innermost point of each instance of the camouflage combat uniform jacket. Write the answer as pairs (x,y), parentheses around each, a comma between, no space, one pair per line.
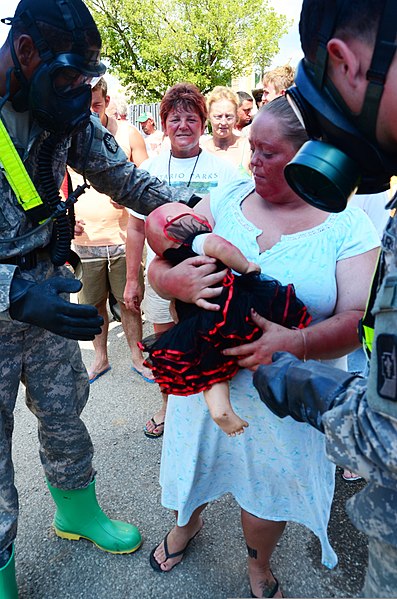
(361,431)
(105,166)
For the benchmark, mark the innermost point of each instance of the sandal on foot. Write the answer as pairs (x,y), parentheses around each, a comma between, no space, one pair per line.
(154,563)
(272,592)
(96,375)
(352,478)
(152,434)
(145,378)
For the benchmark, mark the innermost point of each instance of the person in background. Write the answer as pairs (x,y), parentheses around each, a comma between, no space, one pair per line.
(102,248)
(275,82)
(223,104)
(154,139)
(257,95)
(183,114)
(244,112)
(117,108)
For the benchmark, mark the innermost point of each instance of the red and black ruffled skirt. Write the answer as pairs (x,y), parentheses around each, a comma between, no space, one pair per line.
(188,358)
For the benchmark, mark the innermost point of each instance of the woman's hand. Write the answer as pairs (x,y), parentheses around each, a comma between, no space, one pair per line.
(192,281)
(274,338)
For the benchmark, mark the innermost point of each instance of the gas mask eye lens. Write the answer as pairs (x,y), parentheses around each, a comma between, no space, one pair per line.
(68,78)
(323,176)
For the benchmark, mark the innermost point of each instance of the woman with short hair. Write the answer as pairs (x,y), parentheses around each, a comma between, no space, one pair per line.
(222,104)
(183,114)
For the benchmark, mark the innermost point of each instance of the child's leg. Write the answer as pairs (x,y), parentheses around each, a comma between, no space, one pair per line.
(218,402)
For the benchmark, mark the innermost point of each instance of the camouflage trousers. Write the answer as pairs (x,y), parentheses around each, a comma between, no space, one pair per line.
(57,390)
(381,578)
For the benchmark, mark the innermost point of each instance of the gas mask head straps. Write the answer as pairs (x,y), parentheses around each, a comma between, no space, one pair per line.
(344,155)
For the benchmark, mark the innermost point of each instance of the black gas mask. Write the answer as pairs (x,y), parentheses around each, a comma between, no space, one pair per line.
(59,93)
(342,156)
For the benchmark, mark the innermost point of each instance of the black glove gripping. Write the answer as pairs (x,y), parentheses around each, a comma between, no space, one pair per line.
(40,304)
(302,390)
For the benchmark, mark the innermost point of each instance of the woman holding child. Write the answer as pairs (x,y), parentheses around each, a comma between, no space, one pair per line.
(277,469)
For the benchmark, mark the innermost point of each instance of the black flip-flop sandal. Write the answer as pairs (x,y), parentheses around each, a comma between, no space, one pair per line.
(152,435)
(154,563)
(273,591)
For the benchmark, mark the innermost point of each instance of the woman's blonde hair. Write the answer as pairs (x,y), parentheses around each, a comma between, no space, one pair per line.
(220,92)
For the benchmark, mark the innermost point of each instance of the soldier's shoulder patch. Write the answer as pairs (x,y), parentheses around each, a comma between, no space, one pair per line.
(110,143)
(386,347)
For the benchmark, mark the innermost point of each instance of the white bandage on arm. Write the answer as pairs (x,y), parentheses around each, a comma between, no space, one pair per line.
(198,243)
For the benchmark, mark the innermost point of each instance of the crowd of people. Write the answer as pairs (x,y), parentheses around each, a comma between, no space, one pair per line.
(194,226)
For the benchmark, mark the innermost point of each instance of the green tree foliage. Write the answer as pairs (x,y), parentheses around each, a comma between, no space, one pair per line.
(152,44)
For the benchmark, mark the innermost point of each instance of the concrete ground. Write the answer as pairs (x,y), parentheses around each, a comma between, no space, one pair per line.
(127,485)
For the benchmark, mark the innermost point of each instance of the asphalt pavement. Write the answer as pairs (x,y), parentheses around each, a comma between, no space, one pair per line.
(127,465)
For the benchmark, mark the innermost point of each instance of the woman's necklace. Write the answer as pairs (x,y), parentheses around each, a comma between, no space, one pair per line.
(191,174)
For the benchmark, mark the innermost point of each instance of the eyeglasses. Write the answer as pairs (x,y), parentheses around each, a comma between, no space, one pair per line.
(229,118)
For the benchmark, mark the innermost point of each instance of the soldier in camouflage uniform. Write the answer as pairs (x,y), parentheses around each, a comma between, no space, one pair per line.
(46,64)
(358,417)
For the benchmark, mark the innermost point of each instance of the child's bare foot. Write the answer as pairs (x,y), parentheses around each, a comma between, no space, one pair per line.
(230,423)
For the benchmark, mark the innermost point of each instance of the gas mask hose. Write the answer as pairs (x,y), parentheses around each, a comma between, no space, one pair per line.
(62,234)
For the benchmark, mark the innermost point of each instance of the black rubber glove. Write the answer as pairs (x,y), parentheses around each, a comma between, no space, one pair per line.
(302,390)
(40,304)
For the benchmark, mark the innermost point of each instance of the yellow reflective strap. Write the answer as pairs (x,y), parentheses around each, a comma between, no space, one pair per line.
(16,173)
(368,337)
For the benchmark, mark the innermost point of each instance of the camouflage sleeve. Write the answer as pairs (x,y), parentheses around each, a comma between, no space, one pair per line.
(360,438)
(6,274)
(105,166)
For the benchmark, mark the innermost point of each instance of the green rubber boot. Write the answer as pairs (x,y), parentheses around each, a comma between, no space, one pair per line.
(79,516)
(8,582)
